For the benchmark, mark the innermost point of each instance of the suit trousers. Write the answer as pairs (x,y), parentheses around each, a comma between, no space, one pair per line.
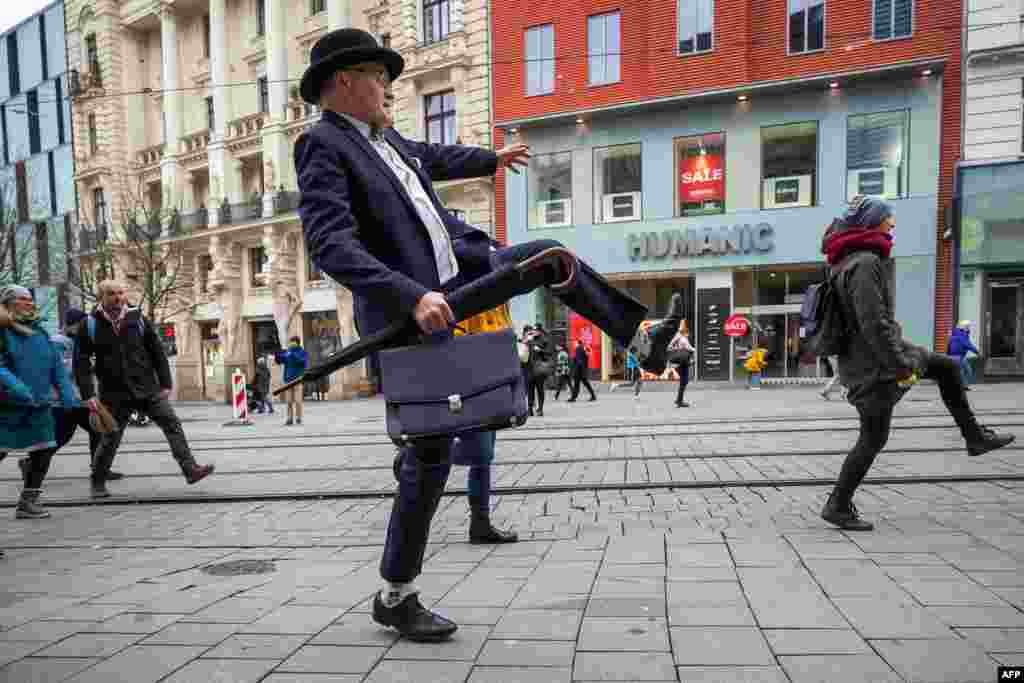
(581,377)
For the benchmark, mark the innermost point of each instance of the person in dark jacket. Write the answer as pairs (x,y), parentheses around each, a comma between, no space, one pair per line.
(563,372)
(127,358)
(581,371)
(68,421)
(539,369)
(261,387)
(959,346)
(30,370)
(295,361)
(878,366)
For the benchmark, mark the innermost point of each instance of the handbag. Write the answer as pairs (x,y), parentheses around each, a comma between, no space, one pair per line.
(679,357)
(457,385)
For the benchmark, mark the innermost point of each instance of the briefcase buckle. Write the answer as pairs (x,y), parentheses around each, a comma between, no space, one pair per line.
(455,403)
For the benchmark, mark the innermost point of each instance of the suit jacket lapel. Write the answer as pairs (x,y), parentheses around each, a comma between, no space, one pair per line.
(372,155)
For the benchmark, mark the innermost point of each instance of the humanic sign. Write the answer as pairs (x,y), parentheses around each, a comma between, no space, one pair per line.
(740,239)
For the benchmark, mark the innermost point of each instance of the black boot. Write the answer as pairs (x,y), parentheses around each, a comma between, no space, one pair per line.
(481,531)
(845,516)
(413,620)
(653,352)
(987,440)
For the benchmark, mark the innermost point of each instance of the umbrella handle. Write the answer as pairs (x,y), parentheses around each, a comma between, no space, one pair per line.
(556,257)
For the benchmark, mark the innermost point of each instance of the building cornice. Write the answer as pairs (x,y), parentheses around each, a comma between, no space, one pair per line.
(904,69)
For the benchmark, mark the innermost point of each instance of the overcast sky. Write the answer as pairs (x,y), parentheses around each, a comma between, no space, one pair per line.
(12,13)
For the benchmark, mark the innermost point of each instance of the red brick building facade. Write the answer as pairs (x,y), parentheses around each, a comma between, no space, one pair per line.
(750,51)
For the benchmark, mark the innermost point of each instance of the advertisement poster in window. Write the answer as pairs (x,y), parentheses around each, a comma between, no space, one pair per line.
(713,309)
(702,179)
(581,328)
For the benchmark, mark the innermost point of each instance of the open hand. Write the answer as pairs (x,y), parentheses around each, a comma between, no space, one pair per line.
(514,157)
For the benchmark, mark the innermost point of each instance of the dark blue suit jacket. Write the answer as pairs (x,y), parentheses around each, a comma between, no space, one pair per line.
(360,224)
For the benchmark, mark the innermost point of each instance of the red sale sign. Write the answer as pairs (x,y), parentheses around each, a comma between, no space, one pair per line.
(582,329)
(702,179)
(736,326)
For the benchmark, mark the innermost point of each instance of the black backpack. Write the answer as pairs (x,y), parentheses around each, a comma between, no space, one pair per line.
(822,320)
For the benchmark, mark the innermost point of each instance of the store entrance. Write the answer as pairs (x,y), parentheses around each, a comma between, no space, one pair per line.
(1005,327)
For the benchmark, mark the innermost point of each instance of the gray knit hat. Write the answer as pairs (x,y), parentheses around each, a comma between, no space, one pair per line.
(867,212)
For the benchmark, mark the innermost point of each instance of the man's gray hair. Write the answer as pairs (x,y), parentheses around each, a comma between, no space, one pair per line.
(108,286)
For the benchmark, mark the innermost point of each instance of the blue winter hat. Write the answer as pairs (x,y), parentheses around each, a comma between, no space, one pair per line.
(867,212)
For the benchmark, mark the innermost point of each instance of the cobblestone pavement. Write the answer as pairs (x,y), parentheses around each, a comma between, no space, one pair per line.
(676,578)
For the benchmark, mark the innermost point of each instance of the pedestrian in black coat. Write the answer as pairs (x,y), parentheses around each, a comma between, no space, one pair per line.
(581,372)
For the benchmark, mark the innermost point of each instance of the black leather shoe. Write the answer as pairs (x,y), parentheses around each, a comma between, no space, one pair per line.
(114,476)
(656,359)
(98,489)
(845,517)
(413,620)
(989,441)
(481,531)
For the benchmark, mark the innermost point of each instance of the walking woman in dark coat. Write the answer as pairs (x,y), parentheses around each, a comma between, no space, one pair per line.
(541,365)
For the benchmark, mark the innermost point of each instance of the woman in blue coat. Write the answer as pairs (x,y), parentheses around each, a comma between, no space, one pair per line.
(30,369)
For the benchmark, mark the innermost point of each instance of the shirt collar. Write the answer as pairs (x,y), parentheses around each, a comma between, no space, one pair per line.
(361,126)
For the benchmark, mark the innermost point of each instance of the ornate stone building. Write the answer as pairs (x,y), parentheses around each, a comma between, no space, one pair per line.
(444,93)
(195,103)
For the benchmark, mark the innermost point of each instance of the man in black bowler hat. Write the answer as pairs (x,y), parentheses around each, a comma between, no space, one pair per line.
(373,222)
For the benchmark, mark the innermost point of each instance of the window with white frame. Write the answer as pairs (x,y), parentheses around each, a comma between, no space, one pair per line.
(436,20)
(696,26)
(806,26)
(789,158)
(540,60)
(604,47)
(617,184)
(439,117)
(549,190)
(892,19)
(876,155)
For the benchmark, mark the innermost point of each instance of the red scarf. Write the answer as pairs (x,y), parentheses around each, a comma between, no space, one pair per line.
(117,322)
(840,244)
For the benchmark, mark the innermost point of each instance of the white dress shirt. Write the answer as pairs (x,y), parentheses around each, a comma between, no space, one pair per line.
(444,253)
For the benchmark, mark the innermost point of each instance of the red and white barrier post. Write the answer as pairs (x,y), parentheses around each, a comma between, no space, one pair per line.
(239,400)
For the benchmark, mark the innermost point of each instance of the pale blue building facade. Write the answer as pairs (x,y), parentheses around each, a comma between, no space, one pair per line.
(783,165)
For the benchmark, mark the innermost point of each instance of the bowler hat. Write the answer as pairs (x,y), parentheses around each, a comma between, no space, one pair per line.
(341,48)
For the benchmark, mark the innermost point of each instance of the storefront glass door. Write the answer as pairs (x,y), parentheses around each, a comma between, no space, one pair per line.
(1005,328)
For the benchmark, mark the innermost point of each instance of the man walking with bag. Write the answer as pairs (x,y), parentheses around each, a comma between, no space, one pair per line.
(580,372)
(877,366)
(373,223)
(123,350)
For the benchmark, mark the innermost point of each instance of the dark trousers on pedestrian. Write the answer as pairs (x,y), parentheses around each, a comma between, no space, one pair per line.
(876,410)
(684,379)
(477,452)
(535,391)
(581,378)
(563,382)
(68,421)
(161,412)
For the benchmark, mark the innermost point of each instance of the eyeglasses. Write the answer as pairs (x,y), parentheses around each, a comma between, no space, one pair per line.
(382,77)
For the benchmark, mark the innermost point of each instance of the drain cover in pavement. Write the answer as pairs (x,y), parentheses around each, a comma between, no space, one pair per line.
(240,567)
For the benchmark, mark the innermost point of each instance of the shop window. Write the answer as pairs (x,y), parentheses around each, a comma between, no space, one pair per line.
(168,338)
(540,60)
(892,19)
(258,261)
(617,186)
(549,190)
(789,154)
(806,26)
(439,117)
(876,151)
(696,26)
(604,48)
(700,173)
(436,20)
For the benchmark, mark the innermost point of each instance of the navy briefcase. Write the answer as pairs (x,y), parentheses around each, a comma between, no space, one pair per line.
(459,385)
